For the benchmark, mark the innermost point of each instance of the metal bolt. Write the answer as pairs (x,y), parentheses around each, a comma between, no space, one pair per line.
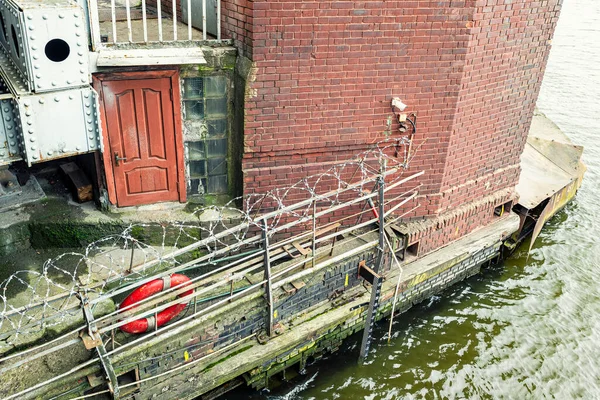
(12,143)
(31,27)
(50,153)
(32,148)
(61,16)
(31,37)
(34,157)
(44,16)
(57,99)
(91,137)
(77,148)
(1,154)
(10,136)
(70,97)
(31,131)
(41,101)
(32,139)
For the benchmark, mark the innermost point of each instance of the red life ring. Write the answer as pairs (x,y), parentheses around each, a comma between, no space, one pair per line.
(158,285)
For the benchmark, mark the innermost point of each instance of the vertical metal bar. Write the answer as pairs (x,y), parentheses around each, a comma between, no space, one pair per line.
(145,26)
(114,20)
(189,21)
(175,19)
(159,12)
(376,287)
(129,30)
(203,19)
(131,258)
(333,242)
(268,293)
(314,233)
(92,6)
(218,19)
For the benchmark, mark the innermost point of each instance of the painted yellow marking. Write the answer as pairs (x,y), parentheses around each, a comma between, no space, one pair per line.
(186,355)
(346,281)
(275,314)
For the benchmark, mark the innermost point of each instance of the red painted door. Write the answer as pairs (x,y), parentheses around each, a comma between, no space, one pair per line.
(142,153)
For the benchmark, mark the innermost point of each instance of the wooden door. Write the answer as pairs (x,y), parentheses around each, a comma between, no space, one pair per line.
(143,161)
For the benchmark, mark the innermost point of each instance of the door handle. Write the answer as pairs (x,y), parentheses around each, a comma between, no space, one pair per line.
(117,158)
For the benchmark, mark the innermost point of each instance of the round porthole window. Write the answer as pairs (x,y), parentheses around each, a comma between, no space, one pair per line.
(13,31)
(57,50)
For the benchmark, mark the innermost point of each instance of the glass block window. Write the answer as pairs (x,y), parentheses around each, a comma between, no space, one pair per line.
(205,110)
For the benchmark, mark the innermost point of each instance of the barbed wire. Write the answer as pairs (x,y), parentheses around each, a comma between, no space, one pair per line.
(32,301)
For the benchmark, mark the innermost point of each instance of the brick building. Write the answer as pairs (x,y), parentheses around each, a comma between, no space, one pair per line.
(321,75)
(260,94)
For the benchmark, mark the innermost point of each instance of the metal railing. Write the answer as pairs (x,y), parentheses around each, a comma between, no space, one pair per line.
(151,22)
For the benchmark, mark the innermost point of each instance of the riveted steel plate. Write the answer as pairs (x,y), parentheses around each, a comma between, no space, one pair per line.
(59,124)
(46,42)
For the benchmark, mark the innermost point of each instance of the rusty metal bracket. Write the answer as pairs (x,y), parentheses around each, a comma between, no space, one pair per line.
(92,339)
(367,273)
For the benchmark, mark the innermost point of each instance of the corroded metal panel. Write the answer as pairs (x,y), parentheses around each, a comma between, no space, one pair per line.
(59,124)
(46,44)
(10,140)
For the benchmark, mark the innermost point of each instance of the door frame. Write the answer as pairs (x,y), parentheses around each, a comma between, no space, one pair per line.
(173,75)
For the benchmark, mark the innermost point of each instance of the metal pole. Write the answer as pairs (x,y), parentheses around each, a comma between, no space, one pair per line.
(174,12)
(314,232)
(377,282)
(267,278)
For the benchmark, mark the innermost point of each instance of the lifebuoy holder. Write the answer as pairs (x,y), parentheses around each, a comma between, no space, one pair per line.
(148,289)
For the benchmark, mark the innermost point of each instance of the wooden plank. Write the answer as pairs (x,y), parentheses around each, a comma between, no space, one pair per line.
(301,249)
(79,182)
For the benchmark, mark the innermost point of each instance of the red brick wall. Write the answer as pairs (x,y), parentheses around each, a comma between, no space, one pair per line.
(237,23)
(325,72)
(504,68)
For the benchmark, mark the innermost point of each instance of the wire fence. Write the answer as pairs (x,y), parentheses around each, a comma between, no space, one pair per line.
(34,300)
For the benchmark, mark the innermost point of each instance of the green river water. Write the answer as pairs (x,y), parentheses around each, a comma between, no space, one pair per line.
(526,329)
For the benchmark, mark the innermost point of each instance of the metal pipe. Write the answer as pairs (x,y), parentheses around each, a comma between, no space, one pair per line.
(114,20)
(219,20)
(129,30)
(159,12)
(145,26)
(174,12)
(203,20)
(189,22)
(267,278)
